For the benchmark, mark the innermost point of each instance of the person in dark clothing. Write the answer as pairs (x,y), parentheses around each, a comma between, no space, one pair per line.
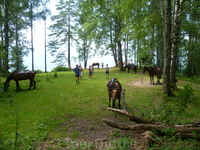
(77,73)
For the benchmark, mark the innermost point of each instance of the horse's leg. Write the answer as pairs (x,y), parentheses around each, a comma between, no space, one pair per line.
(17,86)
(34,84)
(153,79)
(109,97)
(113,102)
(135,70)
(30,85)
(119,103)
(150,80)
(158,80)
(109,100)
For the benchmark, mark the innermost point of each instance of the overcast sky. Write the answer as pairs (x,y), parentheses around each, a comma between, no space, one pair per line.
(38,42)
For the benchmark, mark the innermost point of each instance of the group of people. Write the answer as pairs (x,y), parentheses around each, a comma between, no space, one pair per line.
(78,70)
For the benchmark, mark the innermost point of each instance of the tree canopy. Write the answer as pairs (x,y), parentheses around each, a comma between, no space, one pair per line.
(140,30)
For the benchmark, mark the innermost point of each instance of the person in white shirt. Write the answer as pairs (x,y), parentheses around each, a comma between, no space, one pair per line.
(107,71)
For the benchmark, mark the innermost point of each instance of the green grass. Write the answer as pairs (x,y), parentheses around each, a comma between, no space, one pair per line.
(41,111)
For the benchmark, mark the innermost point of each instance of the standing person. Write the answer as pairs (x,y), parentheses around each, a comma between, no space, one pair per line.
(90,73)
(81,71)
(102,65)
(107,71)
(77,73)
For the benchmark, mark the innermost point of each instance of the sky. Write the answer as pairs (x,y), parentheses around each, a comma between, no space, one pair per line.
(39,48)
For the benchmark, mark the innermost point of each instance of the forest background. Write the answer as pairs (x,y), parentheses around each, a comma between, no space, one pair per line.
(160,33)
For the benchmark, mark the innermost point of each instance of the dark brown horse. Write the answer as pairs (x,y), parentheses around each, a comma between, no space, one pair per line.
(96,64)
(18,76)
(152,71)
(129,66)
(114,92)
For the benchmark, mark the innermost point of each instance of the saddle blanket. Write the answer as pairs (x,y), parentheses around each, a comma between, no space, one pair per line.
(23,72)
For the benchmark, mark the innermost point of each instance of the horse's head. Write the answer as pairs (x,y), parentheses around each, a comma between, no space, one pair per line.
(144,70)
(160,70)
(6,86)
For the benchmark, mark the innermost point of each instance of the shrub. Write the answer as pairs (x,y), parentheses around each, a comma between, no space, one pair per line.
(185,97)
(61,68)
(39,71)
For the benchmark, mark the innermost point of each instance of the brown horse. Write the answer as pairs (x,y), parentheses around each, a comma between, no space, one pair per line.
(18,76)
(129,66)
(152,71)
(96,64)
(114,92)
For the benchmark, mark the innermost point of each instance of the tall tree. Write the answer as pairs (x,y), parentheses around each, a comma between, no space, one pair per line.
(35,13)
(6,32)
(167,48)
(61,31)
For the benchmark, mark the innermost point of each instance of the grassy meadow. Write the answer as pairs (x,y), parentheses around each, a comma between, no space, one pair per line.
(38,115)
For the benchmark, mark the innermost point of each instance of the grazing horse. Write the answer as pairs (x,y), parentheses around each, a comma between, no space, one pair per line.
(18,76)
(96,64)
(153,71)
(129,66)
(114,92)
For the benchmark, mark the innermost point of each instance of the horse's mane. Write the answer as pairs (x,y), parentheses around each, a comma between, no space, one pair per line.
(10,77)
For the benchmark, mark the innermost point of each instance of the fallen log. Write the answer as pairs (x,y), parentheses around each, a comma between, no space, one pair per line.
(184,130)
(134,118)
(145,127)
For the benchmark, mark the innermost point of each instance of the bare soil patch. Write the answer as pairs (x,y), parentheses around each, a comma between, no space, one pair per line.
(92,133)
(139,83)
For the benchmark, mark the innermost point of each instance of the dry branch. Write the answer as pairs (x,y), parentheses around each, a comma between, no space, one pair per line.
(133,117)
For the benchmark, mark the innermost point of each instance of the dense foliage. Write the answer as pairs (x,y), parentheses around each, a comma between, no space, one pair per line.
(16,17)
(125,29)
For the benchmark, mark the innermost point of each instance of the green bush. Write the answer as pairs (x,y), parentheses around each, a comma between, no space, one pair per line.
(185,97)
(39,71)
(61,68)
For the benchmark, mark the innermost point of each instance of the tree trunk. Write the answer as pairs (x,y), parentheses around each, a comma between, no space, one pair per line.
(175,39)
(17,53)
(167,49)
(69,34)
(119,45)
(126,47)
(45,46)
(32,50)
(6,31)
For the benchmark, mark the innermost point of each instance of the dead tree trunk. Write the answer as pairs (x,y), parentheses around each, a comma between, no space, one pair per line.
(185,131)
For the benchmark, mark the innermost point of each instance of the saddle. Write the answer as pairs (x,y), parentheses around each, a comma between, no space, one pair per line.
(111,84)
(23,72)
